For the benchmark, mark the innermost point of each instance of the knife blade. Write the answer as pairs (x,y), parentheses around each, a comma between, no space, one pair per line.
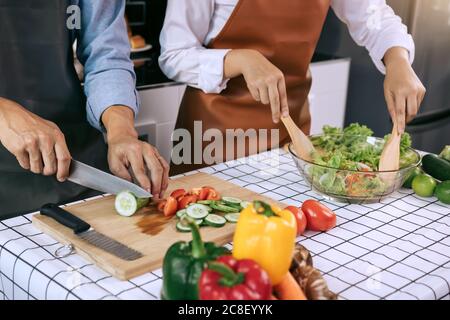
(96,179)
(85,232)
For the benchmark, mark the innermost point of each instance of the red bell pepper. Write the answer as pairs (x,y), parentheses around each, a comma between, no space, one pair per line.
(231,279)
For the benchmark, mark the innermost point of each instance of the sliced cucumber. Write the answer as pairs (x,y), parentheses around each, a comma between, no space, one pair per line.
(194,203)
(215,221)
(231,201)
(206,202)
(181,213)
(224,208)
(197,211)
(232,217)
(183,227)
(127,204)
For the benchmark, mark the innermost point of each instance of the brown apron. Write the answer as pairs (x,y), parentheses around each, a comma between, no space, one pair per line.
(286,32)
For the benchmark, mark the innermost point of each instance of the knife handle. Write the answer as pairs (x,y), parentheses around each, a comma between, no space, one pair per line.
(65,218)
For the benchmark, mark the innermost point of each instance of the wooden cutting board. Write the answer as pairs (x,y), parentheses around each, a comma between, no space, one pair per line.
(100,214)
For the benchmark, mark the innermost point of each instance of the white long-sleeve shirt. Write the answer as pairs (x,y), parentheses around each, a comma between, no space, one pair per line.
(190,25)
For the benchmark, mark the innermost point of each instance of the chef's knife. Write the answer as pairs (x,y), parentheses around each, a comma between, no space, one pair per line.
(93,178)
(83,230)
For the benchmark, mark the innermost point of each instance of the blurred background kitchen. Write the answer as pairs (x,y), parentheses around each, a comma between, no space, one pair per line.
(346,85)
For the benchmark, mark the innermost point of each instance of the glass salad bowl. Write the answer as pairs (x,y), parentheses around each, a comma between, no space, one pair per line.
(356,186)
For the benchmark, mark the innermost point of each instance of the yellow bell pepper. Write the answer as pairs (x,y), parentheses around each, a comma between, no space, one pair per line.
(266,234)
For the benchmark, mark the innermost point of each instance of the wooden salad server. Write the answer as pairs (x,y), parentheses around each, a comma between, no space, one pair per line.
(303,147)
(390,158)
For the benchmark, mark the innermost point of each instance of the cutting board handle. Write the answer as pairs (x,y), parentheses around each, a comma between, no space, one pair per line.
(65,218)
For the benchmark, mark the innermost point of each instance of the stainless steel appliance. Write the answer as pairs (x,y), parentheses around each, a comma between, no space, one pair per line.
(429,23)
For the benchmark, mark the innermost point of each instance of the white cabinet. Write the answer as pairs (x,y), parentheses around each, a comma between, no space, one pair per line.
(160,105)
(328,96)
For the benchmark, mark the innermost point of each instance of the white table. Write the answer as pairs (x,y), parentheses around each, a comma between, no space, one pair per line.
(397,249)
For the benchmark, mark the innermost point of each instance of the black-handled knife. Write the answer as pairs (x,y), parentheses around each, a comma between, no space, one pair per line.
(65,218)
(84,231)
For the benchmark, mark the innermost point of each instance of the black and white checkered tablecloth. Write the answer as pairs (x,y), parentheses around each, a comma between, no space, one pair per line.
(397,249)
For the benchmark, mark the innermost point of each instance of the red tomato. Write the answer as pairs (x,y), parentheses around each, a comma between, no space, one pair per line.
(300,218)
(160,206)
(186,200)
(212,194)
(201,193)
(320,217)
(177,194)
(171,207)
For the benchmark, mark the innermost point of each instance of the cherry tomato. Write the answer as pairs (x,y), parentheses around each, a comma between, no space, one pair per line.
(186,200)
(178,193)
(320,217)
(300,218)
(212,194)
(171,207)
(201,193)
(161,204)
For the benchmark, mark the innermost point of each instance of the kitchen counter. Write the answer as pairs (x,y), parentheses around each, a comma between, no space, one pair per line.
(396,249)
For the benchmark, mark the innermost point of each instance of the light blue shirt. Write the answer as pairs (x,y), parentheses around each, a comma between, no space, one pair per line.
(104,50)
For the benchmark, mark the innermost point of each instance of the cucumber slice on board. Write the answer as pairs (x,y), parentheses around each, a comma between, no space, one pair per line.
(181,213)
(182,226)
(231,201)
(197,211)
(206,206)
(206,202)
(232,217)
(224,208)
(126,203)
(215,221)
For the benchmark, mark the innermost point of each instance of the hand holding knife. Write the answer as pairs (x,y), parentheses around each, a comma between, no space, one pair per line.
(93,178)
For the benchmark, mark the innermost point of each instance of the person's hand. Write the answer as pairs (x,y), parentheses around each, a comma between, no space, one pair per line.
(38,144)
(127,153)
(403,90)
(264,80)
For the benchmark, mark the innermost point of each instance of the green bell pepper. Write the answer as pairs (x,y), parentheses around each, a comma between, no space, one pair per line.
(184,263)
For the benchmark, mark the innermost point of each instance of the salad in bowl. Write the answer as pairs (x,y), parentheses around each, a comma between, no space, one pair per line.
(344,167)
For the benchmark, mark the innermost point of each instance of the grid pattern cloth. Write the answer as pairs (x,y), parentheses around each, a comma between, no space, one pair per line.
(396,249)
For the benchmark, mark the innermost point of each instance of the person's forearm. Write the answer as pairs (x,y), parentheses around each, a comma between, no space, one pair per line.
(236,60)
(232,64)
(119,120)
(395,55)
